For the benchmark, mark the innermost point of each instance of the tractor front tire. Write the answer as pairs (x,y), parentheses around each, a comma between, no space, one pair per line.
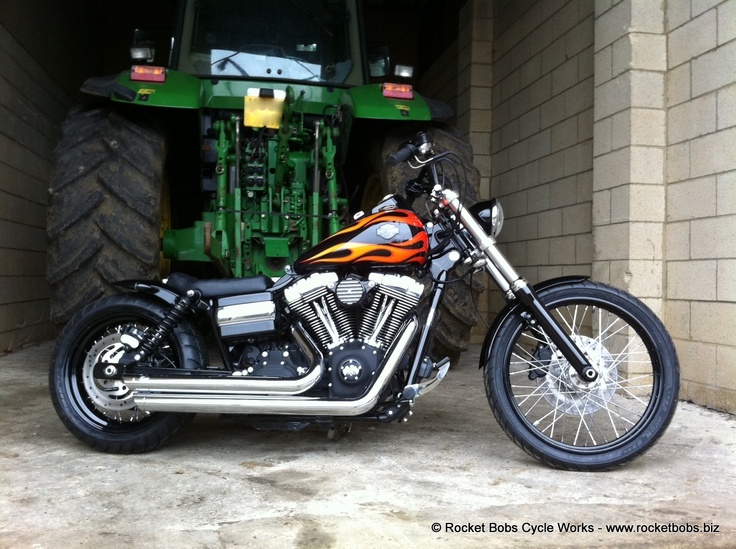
(104,212)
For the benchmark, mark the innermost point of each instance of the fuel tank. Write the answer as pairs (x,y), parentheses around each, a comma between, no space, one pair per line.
(390,239)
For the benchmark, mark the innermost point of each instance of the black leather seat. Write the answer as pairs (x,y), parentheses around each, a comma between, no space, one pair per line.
(219,287)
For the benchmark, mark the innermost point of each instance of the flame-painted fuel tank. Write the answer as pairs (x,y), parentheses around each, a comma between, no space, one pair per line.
(393,239)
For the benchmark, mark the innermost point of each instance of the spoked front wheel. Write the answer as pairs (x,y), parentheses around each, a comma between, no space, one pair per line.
(557,417)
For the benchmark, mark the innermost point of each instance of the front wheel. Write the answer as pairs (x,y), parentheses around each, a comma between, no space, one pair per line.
(558,418)
(101,412)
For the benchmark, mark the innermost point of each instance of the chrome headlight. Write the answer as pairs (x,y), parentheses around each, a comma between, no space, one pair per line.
(489,214)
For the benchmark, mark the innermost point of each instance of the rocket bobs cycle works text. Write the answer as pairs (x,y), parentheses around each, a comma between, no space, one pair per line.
(572,528)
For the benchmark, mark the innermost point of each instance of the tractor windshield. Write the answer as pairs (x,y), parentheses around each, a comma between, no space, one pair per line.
(306,40)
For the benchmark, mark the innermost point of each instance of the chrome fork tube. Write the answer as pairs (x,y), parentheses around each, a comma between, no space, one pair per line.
(512,284)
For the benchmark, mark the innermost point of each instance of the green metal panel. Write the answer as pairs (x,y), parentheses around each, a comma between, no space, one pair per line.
(179,91)
(369,102)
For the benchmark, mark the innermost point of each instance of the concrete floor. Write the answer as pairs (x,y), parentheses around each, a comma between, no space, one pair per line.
(226,485)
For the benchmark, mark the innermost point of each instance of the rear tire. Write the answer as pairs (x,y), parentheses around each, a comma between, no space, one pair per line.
(555,417)
(105,208)
(102,413)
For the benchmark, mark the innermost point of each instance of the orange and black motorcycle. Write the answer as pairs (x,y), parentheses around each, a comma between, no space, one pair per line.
(579,374)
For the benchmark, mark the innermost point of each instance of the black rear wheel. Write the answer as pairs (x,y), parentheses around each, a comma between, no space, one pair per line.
(102,412)
(555,416)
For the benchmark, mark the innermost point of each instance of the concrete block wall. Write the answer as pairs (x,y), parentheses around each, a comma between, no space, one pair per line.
(31,105)
(613,138)
(542,134)
(700,224)
(630,133)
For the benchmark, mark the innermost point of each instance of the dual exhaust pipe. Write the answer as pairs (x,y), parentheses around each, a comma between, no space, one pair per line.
(263,396)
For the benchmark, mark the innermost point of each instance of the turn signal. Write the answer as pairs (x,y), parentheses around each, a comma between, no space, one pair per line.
(146,73)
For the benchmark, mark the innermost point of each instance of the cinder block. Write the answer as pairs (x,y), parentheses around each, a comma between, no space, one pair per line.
(692,119)
(726,197)
(601,208)
(576,219)
(562,250)
(578,158)
(611,170)
(647,164)
(550,223)
(603,65)
(726,22)
(701,361)
(726,367)
(647,203)
(713,237)
(678,162)
(611,242)
(584,249)
(678,85)
(677,318)
(714,322)
(700,6)
(678,13)
(563,192)
(713,153)
(603,136)
(692,39)
(646,241)
(612,24)
(692,280)
(727,281)
(677,241)
(691,199)
(714,69)
(727,106)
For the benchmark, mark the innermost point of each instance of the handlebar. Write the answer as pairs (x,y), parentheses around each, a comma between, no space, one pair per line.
(405,152)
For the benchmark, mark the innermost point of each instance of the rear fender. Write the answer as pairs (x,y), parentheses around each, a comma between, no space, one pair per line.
(516,308)
(178,91)
(158,290)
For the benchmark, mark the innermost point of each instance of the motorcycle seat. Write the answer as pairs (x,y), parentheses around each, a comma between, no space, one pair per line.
(219,287)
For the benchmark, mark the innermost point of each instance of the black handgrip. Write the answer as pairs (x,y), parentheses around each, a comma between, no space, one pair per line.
(405,152)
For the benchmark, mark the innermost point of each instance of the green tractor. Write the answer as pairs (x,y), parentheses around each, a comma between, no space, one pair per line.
(269,128)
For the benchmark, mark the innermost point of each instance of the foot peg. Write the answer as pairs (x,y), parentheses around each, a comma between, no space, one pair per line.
(415,390)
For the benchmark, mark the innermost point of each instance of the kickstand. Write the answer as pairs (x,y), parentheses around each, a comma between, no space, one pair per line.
(338,430)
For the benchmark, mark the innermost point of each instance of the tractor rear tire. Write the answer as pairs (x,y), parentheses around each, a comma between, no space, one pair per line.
(458,311)
(104,212)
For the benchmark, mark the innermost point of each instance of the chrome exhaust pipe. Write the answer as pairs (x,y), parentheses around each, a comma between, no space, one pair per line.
(282,404)
(235,384)
(231,385)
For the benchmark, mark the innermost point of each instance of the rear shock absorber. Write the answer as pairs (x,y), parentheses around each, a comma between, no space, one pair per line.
(170,321)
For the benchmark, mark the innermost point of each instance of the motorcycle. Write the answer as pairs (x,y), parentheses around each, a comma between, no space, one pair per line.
(580,375)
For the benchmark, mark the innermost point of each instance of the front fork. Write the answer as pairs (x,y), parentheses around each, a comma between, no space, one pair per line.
(516,287)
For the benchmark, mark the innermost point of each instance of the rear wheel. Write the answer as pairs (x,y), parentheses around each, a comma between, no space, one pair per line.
(555,416)
(105,208)
(102,412)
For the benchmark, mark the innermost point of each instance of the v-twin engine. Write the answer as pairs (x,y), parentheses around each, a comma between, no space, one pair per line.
(338,311)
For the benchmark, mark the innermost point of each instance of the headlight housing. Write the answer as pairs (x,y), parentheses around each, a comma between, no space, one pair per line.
(489,214)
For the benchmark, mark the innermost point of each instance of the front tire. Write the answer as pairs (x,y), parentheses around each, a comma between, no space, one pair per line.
(102,413)
(553,415)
